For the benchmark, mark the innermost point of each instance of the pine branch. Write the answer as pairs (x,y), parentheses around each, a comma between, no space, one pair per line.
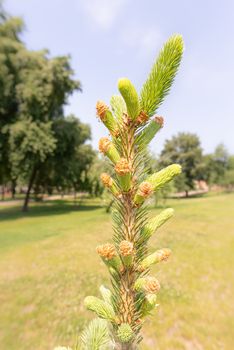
(162,74)
(134,292)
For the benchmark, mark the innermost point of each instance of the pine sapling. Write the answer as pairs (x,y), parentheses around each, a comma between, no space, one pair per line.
(132,124)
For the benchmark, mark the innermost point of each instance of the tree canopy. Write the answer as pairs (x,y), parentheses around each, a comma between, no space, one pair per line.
(184,149)
(36,137)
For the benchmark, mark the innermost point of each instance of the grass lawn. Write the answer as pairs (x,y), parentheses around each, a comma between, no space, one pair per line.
(48,265)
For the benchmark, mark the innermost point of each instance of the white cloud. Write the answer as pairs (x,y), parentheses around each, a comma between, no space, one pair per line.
(146,40)
(103,12)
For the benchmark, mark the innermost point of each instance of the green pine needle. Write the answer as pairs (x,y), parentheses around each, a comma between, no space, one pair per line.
(96,336)
(161,77)
(118,106)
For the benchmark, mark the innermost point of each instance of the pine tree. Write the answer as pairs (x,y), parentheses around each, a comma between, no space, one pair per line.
(132,126)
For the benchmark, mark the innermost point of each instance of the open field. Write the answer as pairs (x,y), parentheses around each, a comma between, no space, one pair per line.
(48,265)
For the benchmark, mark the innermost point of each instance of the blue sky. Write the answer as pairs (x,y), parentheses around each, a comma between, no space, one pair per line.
(109,39)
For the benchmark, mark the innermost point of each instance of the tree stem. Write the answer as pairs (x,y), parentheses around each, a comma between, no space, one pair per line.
(31,181)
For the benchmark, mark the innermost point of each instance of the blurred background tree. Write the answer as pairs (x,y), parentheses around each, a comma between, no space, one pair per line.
(39,146)
(184,149)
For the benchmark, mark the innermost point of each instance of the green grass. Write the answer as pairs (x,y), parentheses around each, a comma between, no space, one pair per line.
(48,265)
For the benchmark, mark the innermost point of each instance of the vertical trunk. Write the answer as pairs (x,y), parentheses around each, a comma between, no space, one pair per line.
(186,193)
(13,185)
(3,192)
(26,199)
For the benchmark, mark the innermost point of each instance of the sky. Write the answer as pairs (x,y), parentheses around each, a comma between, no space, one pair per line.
(110,39)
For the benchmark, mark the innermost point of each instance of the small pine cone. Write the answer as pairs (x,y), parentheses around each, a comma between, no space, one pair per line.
(101,109)
(142,118)
(147,284)
(106,251)
(106,180)
(151,285)
(122,167)
(125,333)
(149,132)
(123,171)
(163,254)
(104,144)
(145,189)
(159,120)
(126,248)
(154,258)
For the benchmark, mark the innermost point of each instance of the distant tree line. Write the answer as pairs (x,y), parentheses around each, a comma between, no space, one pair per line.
(185,148)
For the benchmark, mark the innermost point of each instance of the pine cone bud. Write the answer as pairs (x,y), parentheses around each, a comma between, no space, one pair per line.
(107,118)
(144,191)
(125,333)
(106,180)
(152,285)
(159,120)
(122,167)
(109,256)
(149,132)
(147,284)
(101,109)
(110,184)
(126,248)
(104,145)
(142,118)
(158,256)
(123,170)
(108,148)
(106,251)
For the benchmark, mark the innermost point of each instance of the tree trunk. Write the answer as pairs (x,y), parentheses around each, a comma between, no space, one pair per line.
(3,192)
(186,193)
(26,199)
(13,185)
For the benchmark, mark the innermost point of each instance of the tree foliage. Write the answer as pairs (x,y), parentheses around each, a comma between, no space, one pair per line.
(37,142)
(184,149)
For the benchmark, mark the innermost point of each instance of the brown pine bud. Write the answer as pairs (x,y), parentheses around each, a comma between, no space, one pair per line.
(101,109)
(106,251)
(164,254)
(122,167)
(142,118)
(106,180)
(145,189)
(126,248)
(159,120)
(104,144)
(151,285)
